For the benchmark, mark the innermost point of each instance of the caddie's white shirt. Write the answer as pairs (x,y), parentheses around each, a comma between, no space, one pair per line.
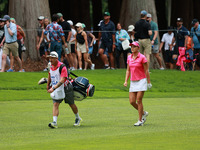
(167,39)
(58,93)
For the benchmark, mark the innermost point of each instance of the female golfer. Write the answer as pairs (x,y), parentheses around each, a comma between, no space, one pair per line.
(137,68)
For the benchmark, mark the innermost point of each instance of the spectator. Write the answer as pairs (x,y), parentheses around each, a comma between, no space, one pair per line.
(45,42)
(71,45)
(91,40)
(131,33)
(120,36)
(181,36)
(189,55)
(40,45)
(107,36)
(154,40)
(67,30)
(195,41)
(143,32)
(11,44)
(1,39)
(81,46)
(20,37)
(168,53)
(56,34)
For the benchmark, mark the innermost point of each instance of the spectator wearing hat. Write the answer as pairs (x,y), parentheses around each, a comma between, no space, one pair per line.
(11,44)
(45,42)
(120,36)
(195,41)
(81,46)
(67,30)
(167,42)
(131,33)
(143,32)
(40,40)
(56,35)
(154,40)
(71,45)
(181,36)
(107,36)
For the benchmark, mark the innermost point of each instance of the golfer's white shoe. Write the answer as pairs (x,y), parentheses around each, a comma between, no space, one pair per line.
(139,123)
(144,117)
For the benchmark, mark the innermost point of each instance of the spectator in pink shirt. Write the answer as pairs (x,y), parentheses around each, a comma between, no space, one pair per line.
(137,68)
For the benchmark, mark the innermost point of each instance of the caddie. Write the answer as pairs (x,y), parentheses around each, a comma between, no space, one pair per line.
(61,89)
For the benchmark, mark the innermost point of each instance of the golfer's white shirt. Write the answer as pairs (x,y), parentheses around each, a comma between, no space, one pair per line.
(58,93)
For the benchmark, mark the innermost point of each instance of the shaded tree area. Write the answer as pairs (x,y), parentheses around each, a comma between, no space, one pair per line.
(26,13)
(187,9)
(3,7)
(76,10)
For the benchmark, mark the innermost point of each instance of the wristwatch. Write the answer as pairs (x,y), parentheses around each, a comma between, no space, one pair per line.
(53,88)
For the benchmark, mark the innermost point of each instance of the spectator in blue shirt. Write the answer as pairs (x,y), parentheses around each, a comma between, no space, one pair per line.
(107,36)
(11,44)
(56,34)
(120,36)
(195,35)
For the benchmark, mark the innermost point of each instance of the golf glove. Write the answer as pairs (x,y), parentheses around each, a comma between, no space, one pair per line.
(149,86)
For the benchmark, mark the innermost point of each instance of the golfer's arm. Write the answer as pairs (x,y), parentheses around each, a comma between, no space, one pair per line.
(62,80)
(147,72)
(127,73)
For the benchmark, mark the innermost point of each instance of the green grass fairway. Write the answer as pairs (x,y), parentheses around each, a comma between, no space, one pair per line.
(173,122)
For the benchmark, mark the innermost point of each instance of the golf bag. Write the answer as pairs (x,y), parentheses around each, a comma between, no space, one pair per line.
(81,86)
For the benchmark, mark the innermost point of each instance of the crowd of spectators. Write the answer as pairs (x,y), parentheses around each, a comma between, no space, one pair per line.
(74,42)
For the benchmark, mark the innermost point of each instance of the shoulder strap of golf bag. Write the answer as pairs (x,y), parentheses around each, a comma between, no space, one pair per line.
(63,65)
(60,69)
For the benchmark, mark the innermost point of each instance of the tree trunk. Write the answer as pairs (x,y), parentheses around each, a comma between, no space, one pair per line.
(114,9)
(183,9)
(26,13)
(130,14)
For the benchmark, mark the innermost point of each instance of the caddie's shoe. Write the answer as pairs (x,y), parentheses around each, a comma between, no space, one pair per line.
(10,70)
(77,122)
(53,125)
(92,66)
(139,123)
(42,81)
(144,117)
